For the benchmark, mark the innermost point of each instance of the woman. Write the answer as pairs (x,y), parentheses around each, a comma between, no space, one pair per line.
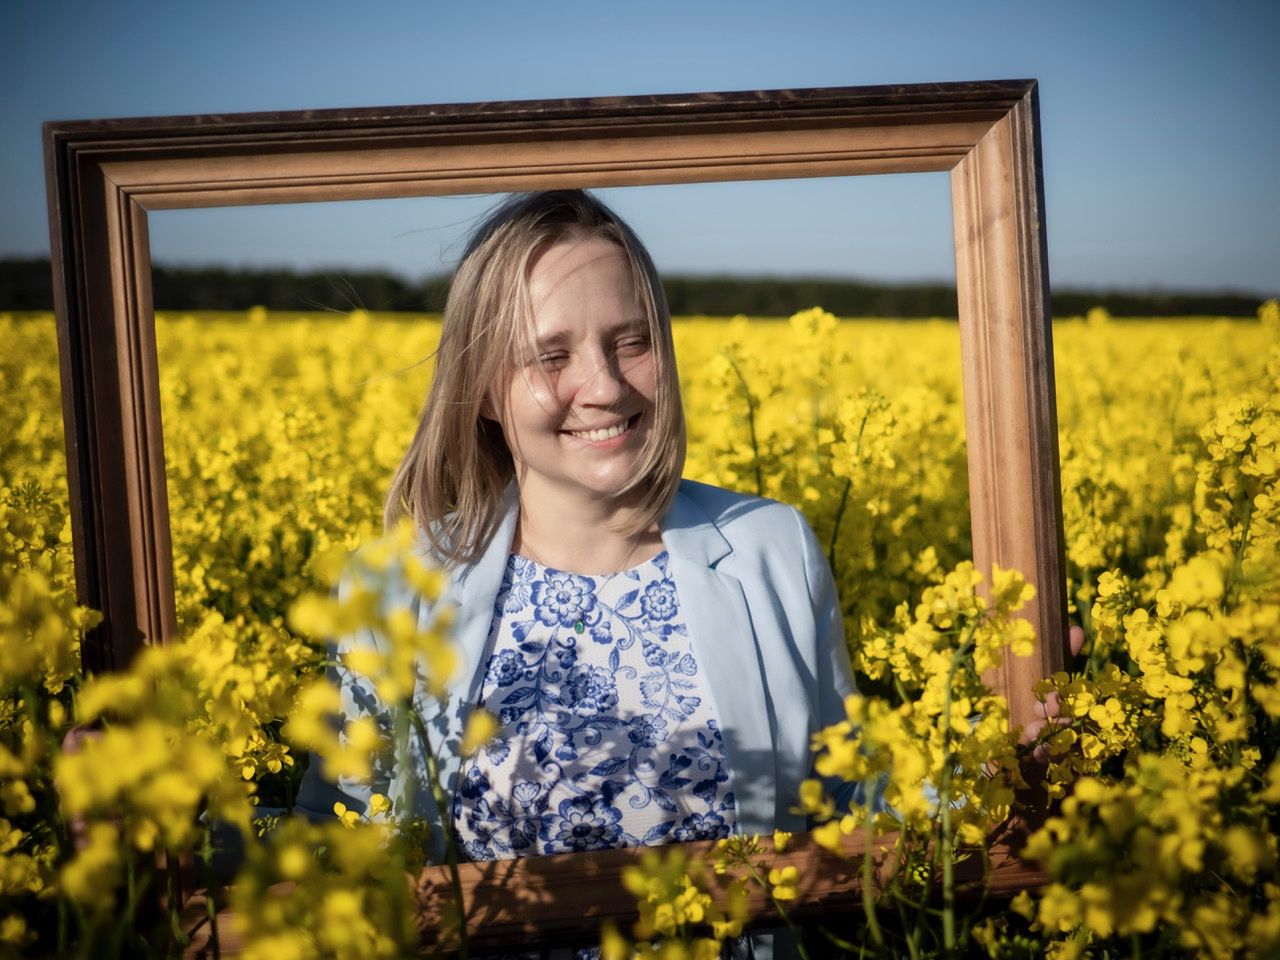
(657,651)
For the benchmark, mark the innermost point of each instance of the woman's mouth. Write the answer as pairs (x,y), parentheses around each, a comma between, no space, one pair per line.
(610,432)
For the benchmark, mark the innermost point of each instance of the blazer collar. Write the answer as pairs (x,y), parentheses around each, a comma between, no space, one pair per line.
(483,579)
(686,531)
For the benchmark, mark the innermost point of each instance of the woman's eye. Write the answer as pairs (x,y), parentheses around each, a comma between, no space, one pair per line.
(632,346)
(552,360)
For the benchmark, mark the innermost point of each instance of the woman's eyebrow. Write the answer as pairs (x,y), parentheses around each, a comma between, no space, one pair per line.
(554,339)
(557,338)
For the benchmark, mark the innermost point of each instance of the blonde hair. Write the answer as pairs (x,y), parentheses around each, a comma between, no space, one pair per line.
(456,471)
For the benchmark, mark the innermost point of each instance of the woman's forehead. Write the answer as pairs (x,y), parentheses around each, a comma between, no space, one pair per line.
(572,282)
(576,259)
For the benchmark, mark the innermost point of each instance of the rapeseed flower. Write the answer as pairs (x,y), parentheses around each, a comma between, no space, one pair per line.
(1166,754)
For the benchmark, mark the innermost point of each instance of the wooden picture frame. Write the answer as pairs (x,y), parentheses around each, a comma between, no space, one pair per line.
(105,175)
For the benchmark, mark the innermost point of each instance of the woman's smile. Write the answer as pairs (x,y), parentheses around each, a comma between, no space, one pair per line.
(600,436)
(577,414)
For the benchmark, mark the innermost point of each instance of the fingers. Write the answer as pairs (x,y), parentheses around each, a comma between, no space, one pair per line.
(1031,731)
(78,826)
(76,737)
(1051,705)
(1047,712)
(1075,639)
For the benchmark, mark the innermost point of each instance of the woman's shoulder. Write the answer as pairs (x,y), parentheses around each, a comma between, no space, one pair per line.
(402,566)
(763,541)
(743,513)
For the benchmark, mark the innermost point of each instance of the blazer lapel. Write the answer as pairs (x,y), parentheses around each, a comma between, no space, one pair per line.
(472,591)
(724,642)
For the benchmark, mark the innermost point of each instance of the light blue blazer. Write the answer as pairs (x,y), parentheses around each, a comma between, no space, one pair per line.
(763,619)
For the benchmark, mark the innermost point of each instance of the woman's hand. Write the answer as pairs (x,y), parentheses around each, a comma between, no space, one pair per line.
(1049,709)
(77,826)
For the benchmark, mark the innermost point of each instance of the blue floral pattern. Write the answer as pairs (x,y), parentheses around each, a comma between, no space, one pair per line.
(607,735)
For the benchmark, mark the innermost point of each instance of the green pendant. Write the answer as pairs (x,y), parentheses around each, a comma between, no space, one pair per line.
(579,627)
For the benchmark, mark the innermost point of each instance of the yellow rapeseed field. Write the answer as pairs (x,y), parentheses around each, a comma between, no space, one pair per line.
(281,434)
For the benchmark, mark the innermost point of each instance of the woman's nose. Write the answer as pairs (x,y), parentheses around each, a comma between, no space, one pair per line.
(603,381)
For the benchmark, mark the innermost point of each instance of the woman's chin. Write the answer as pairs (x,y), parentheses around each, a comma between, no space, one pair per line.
(613,490)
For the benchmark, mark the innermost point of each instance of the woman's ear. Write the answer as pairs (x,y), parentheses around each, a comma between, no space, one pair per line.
(487,409)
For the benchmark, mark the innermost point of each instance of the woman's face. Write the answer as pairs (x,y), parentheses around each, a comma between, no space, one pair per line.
(579,407)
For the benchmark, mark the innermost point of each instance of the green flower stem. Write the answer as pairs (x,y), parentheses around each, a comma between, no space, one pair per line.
(401,719)
(832,559)
(1096,660)
(1237,560)
(844,499)
(210,903)
(782,910)
(868,898)
(28,692)
(948,873)
(127,922)
(62,926)
(172,891)
(751,422)
(946,846)
(446,824)
(900,902)
(900,853)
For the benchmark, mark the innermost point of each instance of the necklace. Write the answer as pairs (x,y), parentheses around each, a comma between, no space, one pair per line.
(579,625)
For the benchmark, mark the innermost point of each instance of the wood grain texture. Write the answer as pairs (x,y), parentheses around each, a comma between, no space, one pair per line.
(104,175)
(411,151)
(903,103)
(550,901)
(1009,393)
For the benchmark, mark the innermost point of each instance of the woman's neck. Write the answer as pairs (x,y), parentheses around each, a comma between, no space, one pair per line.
(582,536)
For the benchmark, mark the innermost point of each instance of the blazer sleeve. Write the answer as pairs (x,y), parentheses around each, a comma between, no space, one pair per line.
(319,792)
(835,675)
(834,671)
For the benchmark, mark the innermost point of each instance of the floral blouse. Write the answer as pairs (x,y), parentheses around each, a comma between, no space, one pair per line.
(608,736)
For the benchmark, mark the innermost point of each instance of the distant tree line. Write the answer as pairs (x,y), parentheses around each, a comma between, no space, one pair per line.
(26,284)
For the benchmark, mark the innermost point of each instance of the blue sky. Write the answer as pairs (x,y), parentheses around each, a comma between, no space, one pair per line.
(1161,122)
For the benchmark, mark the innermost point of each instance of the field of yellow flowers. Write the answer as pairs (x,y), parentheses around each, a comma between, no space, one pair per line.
(281,433)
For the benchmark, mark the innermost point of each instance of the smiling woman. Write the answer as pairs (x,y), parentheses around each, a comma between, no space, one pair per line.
(578,415)
(658,653)
(555,330)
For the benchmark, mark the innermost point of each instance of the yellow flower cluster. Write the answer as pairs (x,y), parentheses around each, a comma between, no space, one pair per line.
(687,911)
(683,916)
(41,627)
(280,438)
(858,425)
(1168,756)
(171,738)
(325,891)
(40,622)
(171,746)
(277,452)
(1159,850)
(947,743)
(410,655)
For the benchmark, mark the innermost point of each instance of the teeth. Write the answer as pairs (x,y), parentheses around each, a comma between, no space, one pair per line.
(596,436)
